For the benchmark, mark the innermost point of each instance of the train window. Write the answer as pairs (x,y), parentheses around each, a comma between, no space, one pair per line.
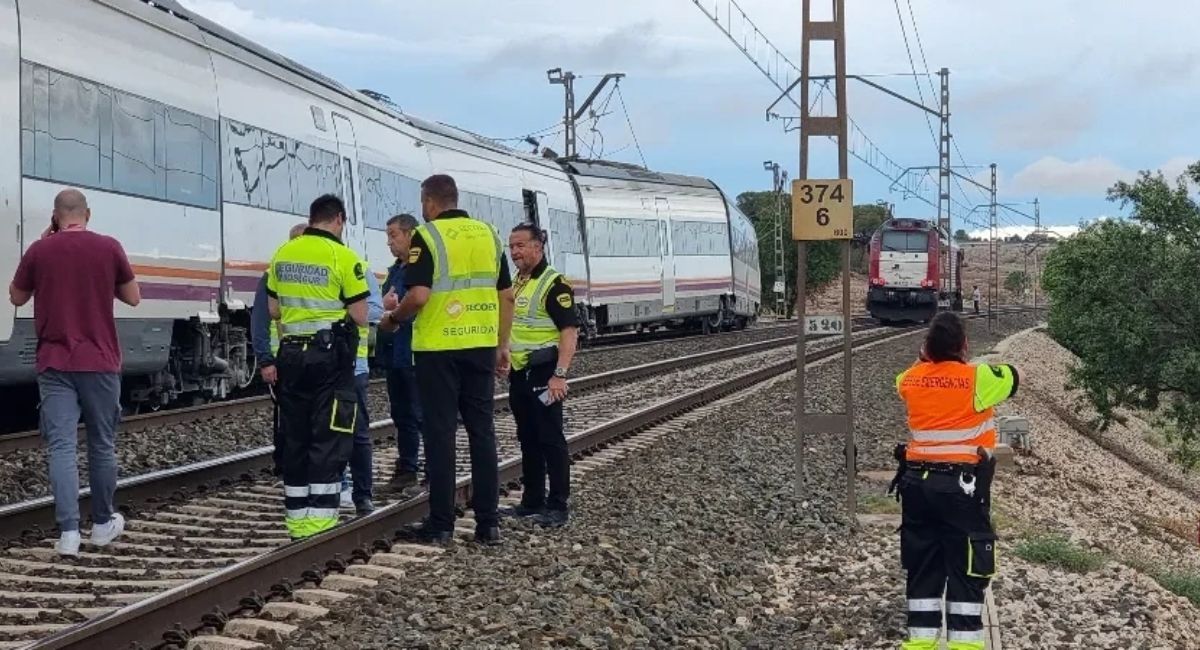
(700,238)
(386,194)
(623,237)
(245,177)
(905,241)
(83,133)
(565,228)
(74,109)
(191,162)
(134,148)
(330,177)
(278,156)
(29,131)
(307,169)
(269,171)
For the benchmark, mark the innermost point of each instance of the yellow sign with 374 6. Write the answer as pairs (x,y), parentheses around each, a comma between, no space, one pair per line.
(822,209)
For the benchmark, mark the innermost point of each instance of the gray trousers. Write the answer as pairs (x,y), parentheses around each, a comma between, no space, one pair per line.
(64,397)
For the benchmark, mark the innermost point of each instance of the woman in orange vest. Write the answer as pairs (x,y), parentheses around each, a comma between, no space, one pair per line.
(947,544)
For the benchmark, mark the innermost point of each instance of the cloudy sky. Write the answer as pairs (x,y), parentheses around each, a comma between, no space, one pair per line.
(1065,96)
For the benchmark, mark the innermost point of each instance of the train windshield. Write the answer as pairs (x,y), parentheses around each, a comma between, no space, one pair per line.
(906,241)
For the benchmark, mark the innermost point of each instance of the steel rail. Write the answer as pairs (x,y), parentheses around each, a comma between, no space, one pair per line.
(32,439)
(225,591)
(157,486)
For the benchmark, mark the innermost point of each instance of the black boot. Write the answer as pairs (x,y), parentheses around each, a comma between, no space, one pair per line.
(422,533)
(402,479)
(488,536)
(552,518)
(519,511)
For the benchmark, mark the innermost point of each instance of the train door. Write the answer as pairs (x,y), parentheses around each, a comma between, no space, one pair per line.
(663,209)
(537,212)
(354,235)
(543,222)
(10,157)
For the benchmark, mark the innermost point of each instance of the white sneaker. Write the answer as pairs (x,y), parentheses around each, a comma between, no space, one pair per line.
(68,543)
(347,499)
(103,534)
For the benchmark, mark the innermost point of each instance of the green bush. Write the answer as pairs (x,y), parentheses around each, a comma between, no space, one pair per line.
(1124,298)
(1181,584)
(1058,551)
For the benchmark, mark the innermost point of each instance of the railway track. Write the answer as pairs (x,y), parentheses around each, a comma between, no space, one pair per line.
(210,535)
(31,439)
(189,522)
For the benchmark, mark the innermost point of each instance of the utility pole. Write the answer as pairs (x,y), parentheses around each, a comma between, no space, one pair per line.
(778,178)
(1037,275)
(570,114)
(993,254)
(821,215)
(944,171)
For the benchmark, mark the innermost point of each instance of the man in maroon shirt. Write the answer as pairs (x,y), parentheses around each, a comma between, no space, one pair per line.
(74,274)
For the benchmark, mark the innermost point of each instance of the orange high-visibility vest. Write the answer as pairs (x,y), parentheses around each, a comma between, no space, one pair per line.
(950,412)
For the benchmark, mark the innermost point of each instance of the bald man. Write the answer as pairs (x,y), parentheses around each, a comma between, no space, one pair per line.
(260,339)
(75,274)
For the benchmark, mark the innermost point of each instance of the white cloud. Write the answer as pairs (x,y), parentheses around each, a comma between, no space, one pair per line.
(1023,231)
(1053,175)
(1086,176)
(638,44)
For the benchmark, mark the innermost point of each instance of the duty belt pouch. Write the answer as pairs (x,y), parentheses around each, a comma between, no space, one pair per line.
(543,356)
(344,411)
(985,472)
(981,555)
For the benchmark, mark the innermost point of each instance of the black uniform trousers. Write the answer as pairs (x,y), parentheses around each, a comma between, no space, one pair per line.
(455,382)
(543,442)
(947,545)
(317,409)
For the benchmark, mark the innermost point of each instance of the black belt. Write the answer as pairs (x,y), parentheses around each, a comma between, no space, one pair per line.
(295,338)
(943,468)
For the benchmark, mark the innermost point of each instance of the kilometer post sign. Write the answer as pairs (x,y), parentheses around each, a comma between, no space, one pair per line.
(822,209)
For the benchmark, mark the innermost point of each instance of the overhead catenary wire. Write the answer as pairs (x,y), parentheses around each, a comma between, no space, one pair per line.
(933,92)
(629,121)
(913,65)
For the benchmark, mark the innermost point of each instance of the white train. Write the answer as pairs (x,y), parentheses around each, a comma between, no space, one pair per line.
(198,150)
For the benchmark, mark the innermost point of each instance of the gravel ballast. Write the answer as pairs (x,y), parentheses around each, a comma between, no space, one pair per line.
(1079,484)
(687,543)
(23,474)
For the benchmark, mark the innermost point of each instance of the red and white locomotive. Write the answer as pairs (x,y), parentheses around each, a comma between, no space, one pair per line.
(909,279)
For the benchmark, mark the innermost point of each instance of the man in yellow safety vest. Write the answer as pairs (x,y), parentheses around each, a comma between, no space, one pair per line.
(543,343)
(317,290)
(460,290)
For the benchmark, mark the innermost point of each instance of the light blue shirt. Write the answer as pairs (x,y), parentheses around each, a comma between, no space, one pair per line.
(374,313)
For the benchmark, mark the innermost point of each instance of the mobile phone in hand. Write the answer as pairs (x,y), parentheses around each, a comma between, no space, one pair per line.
(545,397)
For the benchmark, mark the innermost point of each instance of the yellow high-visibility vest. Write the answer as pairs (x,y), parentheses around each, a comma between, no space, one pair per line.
(533,329)
(313,277)
(463,311)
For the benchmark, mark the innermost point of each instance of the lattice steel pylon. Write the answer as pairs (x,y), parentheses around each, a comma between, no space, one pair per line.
(731,19)
(778,181)
(993,256)
(948,268)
